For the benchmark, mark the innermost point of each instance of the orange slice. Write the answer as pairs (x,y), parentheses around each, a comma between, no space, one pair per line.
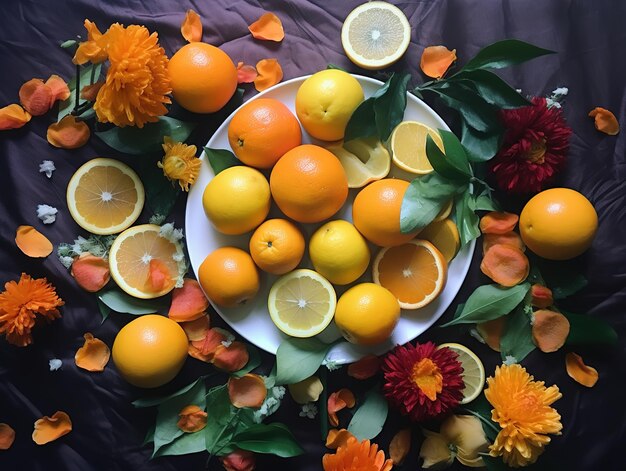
(144,263)
(414,272)
(105,196)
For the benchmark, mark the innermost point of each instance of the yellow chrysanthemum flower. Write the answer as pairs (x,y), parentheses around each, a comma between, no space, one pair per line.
(522,408)
(137,82)
(180,163)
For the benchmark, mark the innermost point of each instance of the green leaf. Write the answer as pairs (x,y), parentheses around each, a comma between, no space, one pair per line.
(221,159)
(121,302)
(336,67)
(297,359)
(275,439)
(505,53)
(87,72)
(489,302)
(389,105)
(467,221)
(104,310)
(589,331)
(224,422)
(137,141)
(485,203)
(254,360)
(161,194)
(149,438)
(561,277)
(517,340)
(474,110)
(69,43)
(370,417)
(362,123)
(455,155)
(183,445)
(424,199)
(480,146)
(155,401)
(492,88)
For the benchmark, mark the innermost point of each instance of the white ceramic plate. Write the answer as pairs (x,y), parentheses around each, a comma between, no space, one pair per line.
(252,321)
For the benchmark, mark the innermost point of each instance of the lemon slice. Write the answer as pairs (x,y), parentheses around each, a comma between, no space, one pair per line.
(375,35)
(445,236)
(408,146)
(473,371)
(445,211)
(135,251)
(302,303)
(363,160)
(105,196)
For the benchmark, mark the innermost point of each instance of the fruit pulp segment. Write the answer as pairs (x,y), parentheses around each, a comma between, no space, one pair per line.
(302,303)
(376,33)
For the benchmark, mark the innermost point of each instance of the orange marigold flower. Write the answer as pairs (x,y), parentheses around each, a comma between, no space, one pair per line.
(180,163)
(355,455)
(94,49)
(137,81)
(20,305)
(522,409)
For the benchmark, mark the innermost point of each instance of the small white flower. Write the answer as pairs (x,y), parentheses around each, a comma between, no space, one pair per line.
(47,213)
(332,365)
(55,364)
(308,410)
(270,405)
(47,167)
(66,261)
(550,103)
(157,219)
(227,343)
(509,360)
(178,257)
(561,91)
(169,232)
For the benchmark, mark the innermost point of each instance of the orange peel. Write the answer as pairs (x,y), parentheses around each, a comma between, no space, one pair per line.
(93,355)
(188,302)
(541,296)
(267,28)
(337,401)
(506,265)
(508,238)
(550,330)
(47,429)
(497,222)
(491,332)
(337,438)
(579,372)
(246,73)
(191,28)
(68,133)
(36,97)
(32,242)
(7,436)
(247,391)
(269,74)
(605,121)
(365,367)
(13,116)
(197,329)
(192,419)
(400,446)
(91,272)
(436,60)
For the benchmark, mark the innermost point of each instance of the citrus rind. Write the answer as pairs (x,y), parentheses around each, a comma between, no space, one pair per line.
(473,370)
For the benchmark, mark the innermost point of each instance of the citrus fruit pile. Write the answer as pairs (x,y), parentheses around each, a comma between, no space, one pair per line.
(317,258)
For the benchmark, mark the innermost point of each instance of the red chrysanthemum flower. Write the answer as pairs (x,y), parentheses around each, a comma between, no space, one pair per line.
(535,144)
(422,381)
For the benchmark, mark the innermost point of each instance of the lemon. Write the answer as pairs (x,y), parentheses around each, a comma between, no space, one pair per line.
(445,236)
(445,211)
(473,371)
(302,303)
(339,252)
(150,350)
(325,101)
(363,160)
(408,146)
(375,35)
(367,314)
(237,200)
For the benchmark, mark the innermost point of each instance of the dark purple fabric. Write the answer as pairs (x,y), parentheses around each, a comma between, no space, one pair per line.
(590,39)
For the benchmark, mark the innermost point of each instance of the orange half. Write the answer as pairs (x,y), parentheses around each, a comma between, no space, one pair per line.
(414,272)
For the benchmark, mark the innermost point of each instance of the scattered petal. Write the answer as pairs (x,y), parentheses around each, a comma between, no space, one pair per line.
(337,438)
(307,390)
(505,264)
(579,372)
(36,97)
(191,29)
(541,296)
(436,60)
(90,92)
(48,429)
(239,460)
(466,434)
(491,332)
(90,272)
(209,343)
(308,410)
(268,28)
(192,419)
(93,355)
(47,213)
(55,364)
(47,167)
(508,238)
(59,89)
(188,302)
(247,391)
(605,121)
(197,330)
(435,451)
(246,73)
(365,367)
(497,222)
(231,358)
(337,401)
(68,133)
(269,74)
(159,276)
(7,436)
(32,242)
(13,117)
(400,446)
(550,330)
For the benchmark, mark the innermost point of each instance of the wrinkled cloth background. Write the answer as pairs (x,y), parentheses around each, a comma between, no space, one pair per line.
(590,39)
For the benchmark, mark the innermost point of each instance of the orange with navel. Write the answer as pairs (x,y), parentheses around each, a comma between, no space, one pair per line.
(277,246)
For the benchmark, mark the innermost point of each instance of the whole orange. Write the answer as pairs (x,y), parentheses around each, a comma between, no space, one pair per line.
(277,246)
(262,131)
(558,224)
(309,184)
(229,277)
(376,212)
(150,350)
(203,77)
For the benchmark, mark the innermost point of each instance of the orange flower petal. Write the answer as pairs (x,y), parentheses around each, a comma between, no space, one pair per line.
(579,372)
(197,330)
(191,29)
(436,60)
(7,436)
(268,28)
(491,332)
(32,242)
(550,330)
(239,460)
(192,419)
(400,446)
(231,358)
(337,438)
(337,401)
(508,238)
(93,355)
(48,429)
(68,133)
(59,88)
(364,368)
(269,74)
(506,265)
(90,92)
(541,296)
(13,117)
(209,343)
(188,302)
(247,391)
(91,272)
(497,222)
(605,121)
(36,97)
(246,73)
(159,276)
